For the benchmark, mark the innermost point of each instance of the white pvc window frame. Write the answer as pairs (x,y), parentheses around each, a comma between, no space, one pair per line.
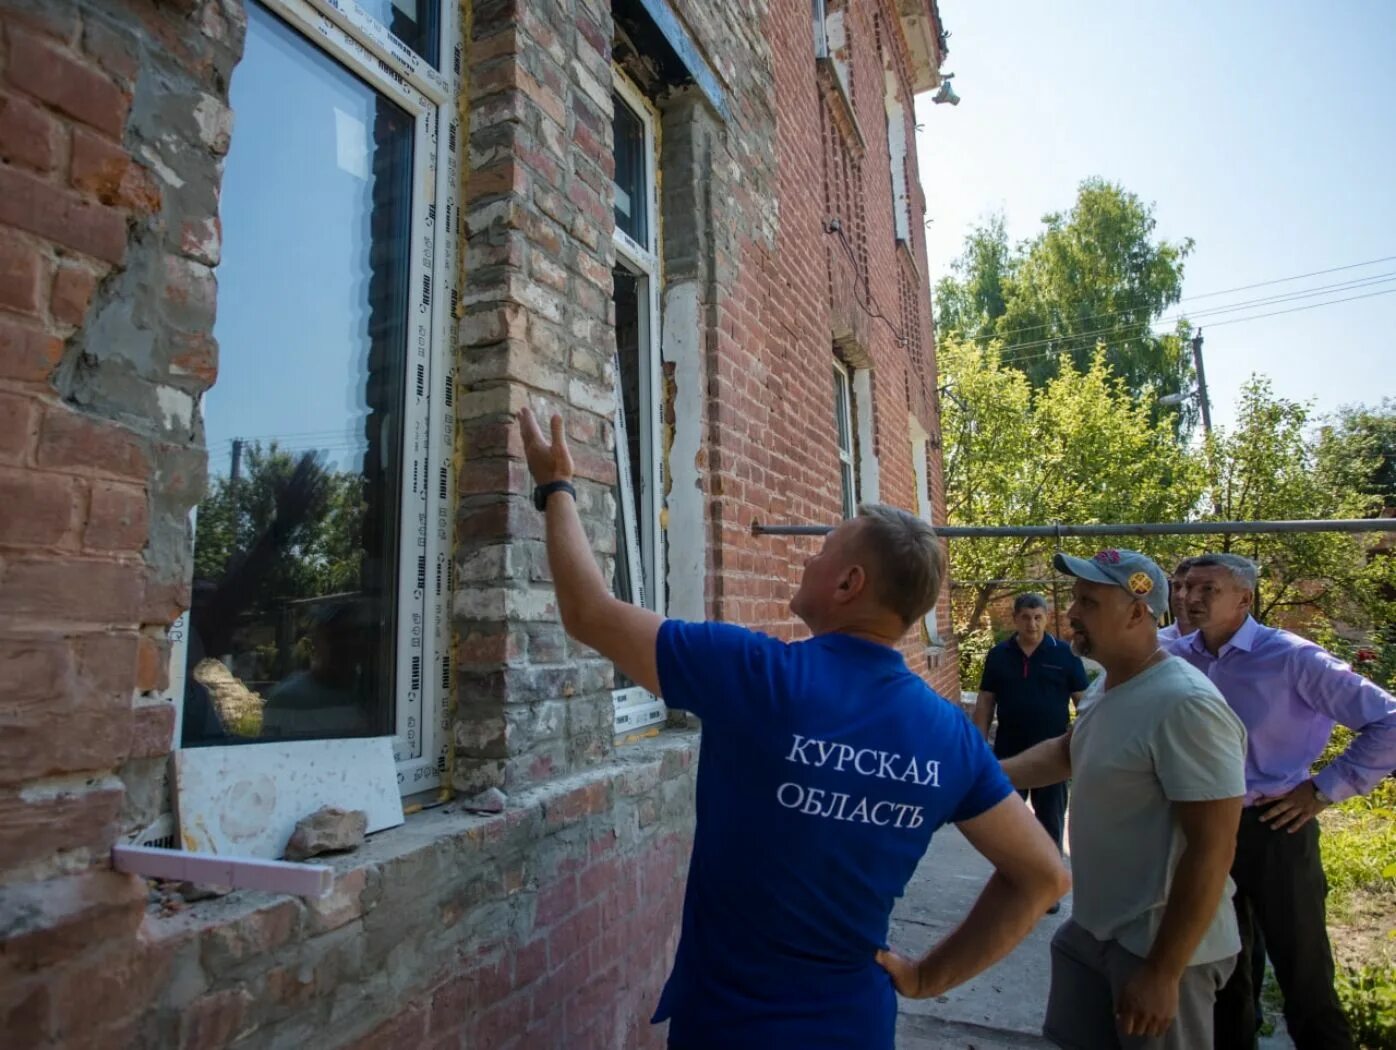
(362,46)
(642,542)
(843,431)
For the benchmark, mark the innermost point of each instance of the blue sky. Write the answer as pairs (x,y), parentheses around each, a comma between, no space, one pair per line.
(1263,130)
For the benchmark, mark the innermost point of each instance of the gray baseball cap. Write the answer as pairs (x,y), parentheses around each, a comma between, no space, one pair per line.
(1128,569)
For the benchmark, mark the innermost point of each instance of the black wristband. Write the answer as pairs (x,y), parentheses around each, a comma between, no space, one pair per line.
(542,492)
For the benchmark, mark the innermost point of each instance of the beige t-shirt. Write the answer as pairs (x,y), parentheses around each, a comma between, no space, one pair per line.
(1164,736)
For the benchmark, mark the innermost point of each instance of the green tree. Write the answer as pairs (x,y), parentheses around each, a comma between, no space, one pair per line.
(1096,274)
(314,515)
(1272,467)
(1079,449)
(1358,445)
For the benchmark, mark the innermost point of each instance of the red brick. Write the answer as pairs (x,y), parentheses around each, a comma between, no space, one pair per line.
(38,508)
(599,878)
(212,1021)
(103,994)
(16,426)
(36,827)
(152,663)
(117,518)
(191,293)
(63,217)
(104,592)
(152,730)
(69,440)
(555,901)
(21,267)
(28,135)
(27,354)
(501,1023)
(114,51)
(107,663)
(259,933)
(73,286)
(196,355)
(42,743)
(106,171)
(67,82)
(408,1028)
(573,934)
(59,918)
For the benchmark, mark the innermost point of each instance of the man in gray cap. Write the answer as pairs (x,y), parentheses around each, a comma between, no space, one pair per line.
(1158,760)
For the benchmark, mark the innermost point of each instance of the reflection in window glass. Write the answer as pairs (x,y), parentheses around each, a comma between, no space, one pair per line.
(414,22)
(629,582)
(296,540)
(631,173)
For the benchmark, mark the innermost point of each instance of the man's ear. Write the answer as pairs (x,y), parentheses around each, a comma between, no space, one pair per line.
(1248,600)
(851,584)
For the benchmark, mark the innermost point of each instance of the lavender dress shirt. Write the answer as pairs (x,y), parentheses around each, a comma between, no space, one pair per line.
(1289,692)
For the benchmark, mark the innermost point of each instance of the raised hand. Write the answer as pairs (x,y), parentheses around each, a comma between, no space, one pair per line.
(547,460)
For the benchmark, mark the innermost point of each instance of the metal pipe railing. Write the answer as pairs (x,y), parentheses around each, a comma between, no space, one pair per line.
(1180,528)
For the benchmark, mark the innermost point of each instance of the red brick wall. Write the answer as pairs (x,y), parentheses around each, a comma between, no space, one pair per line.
(774,455)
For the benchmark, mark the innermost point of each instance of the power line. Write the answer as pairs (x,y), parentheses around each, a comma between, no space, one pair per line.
(1214,324)
(1072,343)
(1065,340)
(1299,309)
(1212,295)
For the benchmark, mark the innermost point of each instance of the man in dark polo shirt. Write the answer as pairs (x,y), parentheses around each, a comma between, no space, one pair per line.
(1029,681)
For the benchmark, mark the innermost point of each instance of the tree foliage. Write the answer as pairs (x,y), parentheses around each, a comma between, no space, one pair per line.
(1079,449)
(1272,466)
(1096,274)
(320,551)
(1084,449)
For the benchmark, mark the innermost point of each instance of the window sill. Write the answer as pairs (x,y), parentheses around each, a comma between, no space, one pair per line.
(243,917)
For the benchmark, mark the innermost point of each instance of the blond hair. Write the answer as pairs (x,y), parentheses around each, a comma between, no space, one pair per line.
(908,561)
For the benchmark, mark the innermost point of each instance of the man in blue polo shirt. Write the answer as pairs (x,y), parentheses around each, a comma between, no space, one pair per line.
(826,766)
(1029,681)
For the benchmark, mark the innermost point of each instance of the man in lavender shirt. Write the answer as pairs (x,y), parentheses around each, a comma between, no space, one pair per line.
(1289,693)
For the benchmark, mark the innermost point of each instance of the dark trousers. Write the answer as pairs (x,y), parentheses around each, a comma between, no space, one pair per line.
(1281,894)
(1049,806)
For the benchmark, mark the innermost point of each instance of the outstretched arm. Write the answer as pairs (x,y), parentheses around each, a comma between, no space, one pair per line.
(1028,878)
(623,633)
(1047,763)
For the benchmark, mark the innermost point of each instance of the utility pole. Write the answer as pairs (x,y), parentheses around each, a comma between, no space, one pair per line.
(1201,383)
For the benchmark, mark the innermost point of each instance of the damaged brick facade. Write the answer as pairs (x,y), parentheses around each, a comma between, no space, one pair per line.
(778,253)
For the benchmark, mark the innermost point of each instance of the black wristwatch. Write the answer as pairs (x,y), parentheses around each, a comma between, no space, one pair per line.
(542,492)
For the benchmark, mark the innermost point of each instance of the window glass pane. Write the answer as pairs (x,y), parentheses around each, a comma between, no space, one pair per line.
(415,22)
(628,581)
(632,191)
(296,541)
(627,299)
(841,409)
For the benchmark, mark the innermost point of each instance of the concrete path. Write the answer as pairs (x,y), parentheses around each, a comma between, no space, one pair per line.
(999,1010)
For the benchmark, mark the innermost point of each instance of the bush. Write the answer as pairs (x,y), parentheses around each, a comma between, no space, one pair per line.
(1368,996)
(974,647)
